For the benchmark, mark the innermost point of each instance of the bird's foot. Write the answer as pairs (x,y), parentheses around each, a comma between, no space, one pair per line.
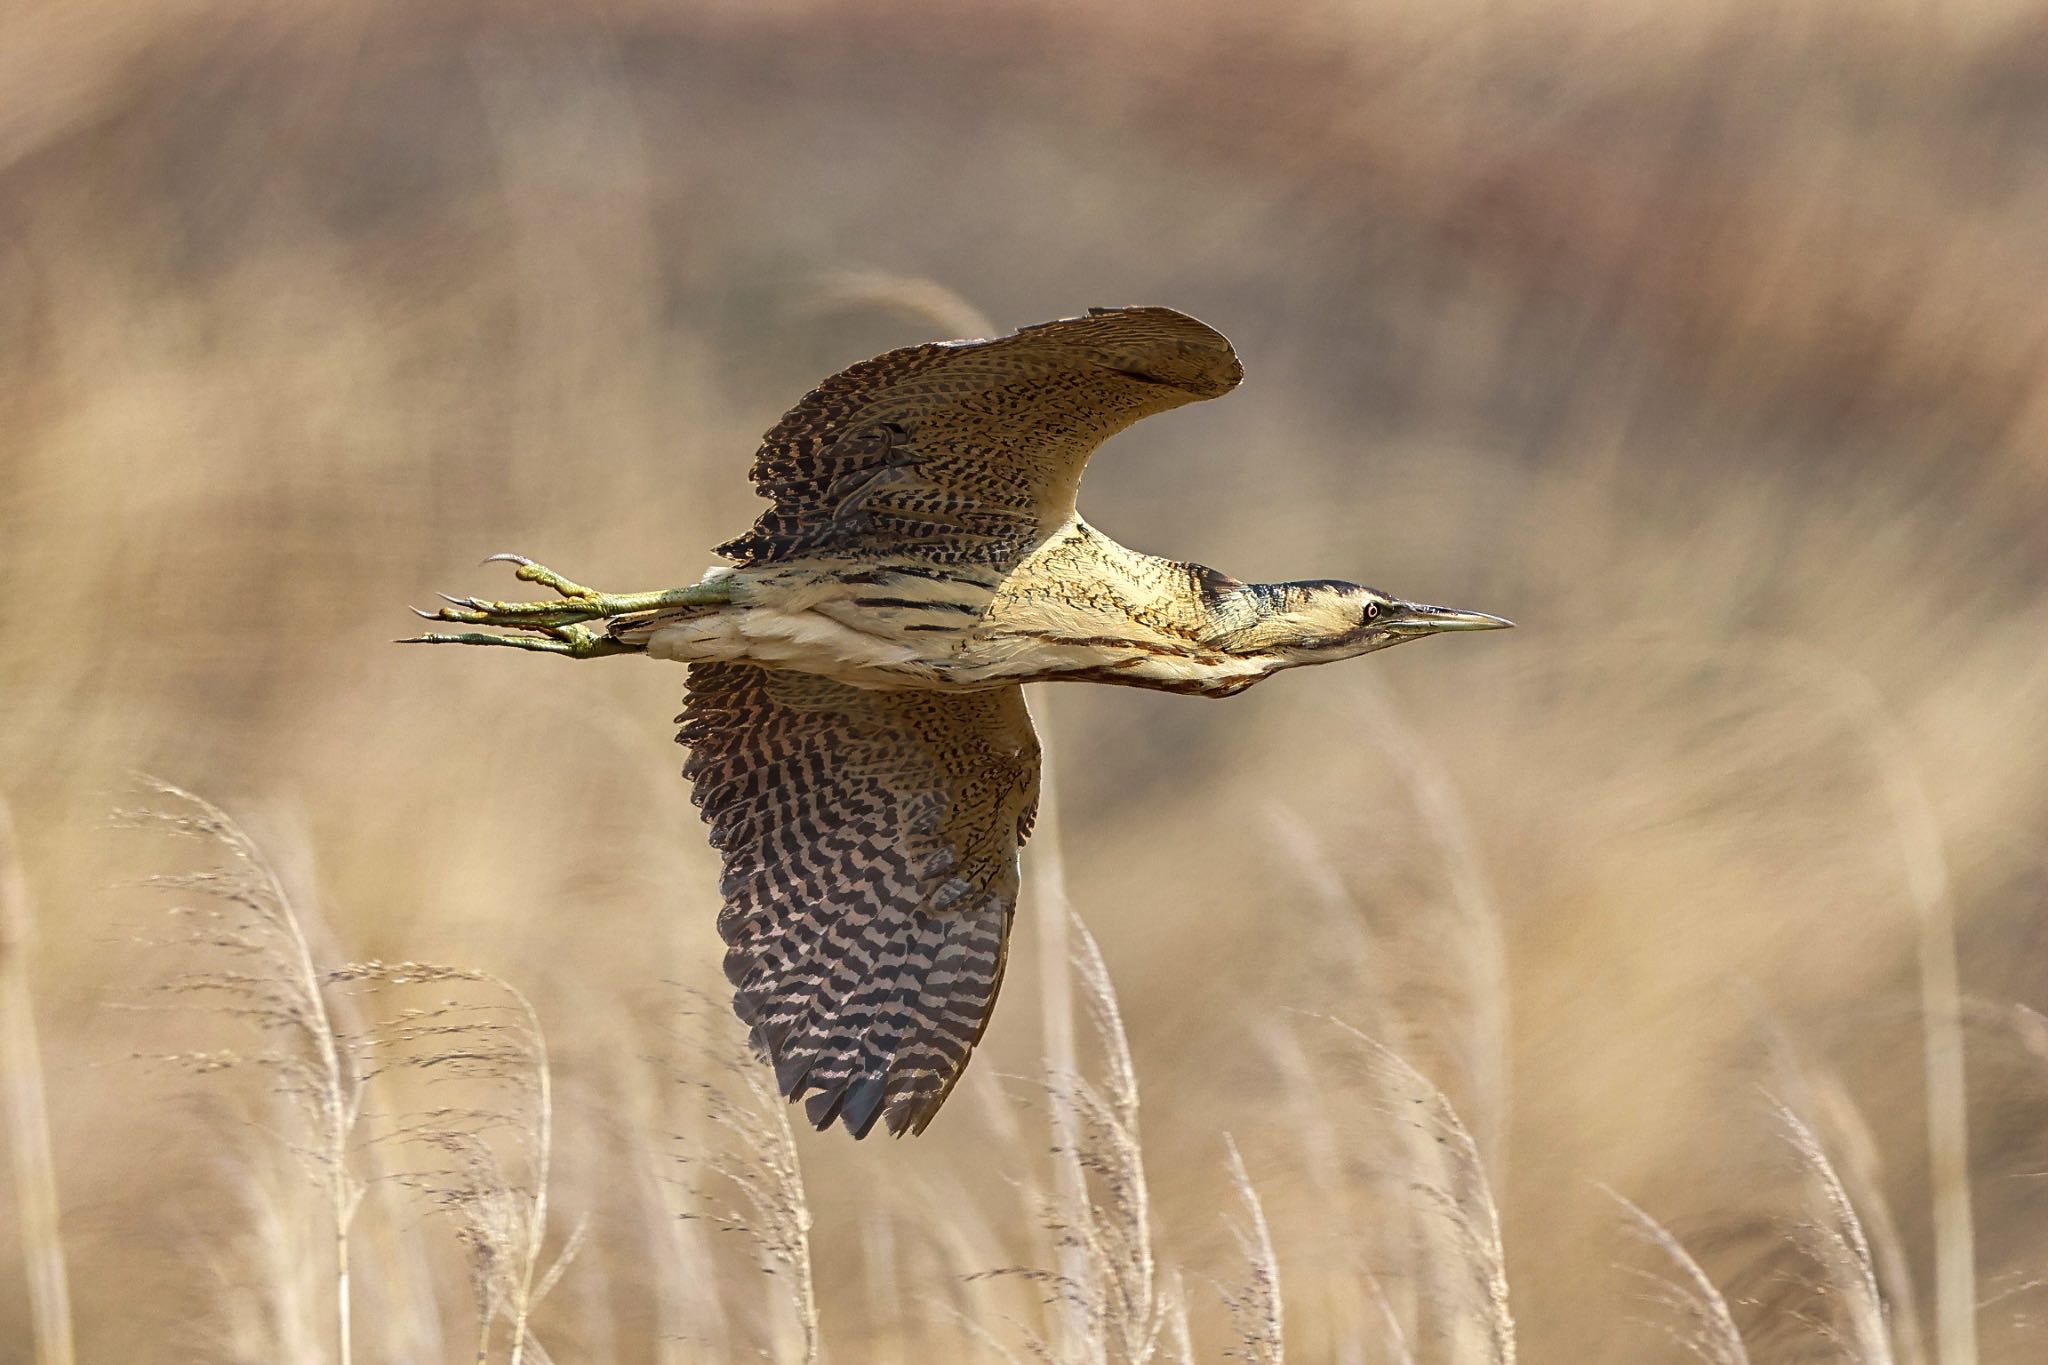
(556,626)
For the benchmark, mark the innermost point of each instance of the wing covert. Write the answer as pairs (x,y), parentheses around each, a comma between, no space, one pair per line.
(965,452)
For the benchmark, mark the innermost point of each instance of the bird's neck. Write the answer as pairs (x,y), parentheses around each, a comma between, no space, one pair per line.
(1244,618)
(1191,601)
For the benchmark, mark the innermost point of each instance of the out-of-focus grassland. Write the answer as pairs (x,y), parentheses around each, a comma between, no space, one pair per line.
(1707,342)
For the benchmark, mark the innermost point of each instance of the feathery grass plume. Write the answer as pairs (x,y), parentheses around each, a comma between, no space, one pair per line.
(672,1252)
(1831,1236)
(28,1116)
(981,1336)
(491,1159)
(1819,1095)
(1111,1225)
(945,1263)
(1925,864)
(1459,1267)
(1698,1316)
(1357,1165)
(1861,706)
(1471,935)
(757,1184)
(1322,1129)
(1178,1344)
(1053,914)
(1114,1290)
(960,1246)
(1255,1305)
(256,968)
(1115,1229)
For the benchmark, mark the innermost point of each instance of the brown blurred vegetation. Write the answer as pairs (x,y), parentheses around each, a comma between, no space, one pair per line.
(1706,342)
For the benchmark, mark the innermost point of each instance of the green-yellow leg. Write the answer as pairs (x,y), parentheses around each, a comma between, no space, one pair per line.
(556,627)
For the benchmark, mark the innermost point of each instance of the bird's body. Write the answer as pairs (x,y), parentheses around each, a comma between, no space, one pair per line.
(1076,607)
(859,742)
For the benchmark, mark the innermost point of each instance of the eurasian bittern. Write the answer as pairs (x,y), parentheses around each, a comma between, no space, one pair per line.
(859,743)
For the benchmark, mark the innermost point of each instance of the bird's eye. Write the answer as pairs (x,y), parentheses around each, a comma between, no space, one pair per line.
(1372,612)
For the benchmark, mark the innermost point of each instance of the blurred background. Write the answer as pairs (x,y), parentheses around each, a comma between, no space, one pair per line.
(1704,341)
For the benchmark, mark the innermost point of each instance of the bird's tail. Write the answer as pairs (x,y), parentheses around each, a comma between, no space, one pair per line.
(640,627)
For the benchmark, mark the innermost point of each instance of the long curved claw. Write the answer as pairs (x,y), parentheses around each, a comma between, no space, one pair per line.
(530,571)
(577,603)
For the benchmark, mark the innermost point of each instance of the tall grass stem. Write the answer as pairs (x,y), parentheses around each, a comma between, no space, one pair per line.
(28,1115)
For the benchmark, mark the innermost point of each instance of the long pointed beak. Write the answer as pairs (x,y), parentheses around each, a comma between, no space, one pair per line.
(1415,619)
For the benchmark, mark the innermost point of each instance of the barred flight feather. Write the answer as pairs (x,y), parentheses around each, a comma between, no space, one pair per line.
(870,846)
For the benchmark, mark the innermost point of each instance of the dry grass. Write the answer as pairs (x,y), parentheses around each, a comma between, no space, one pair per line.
(250,963)
(1256,1305)
(1856,1320)
(1699,1320)
(1703,341)
(26,1108)
(753,1162)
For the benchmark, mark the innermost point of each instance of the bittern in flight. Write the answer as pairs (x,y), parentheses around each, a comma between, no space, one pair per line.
(857,732)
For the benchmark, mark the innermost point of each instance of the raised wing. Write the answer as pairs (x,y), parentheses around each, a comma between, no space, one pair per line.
(870,843)
(966,452)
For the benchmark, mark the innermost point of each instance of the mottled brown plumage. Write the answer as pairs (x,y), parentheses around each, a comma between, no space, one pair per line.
(966,453)
(859,743)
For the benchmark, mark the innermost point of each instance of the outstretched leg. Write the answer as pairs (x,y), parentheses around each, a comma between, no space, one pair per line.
(557,626)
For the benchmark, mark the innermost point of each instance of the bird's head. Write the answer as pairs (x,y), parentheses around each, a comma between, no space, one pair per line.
(1322,619)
